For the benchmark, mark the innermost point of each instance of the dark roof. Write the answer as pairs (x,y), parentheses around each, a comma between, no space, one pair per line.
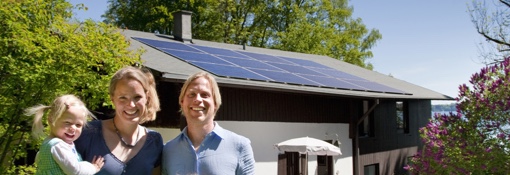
(173,69)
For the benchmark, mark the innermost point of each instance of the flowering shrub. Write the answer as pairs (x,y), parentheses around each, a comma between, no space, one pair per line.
(476,138)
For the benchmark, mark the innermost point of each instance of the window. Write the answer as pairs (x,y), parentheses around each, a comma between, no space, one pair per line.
(366,128)
(371,169)
(325,164)
(291,163)
(402,116)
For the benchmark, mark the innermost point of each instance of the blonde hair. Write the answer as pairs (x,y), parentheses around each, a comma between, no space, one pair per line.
(60,105)
(215,90)
(145,78)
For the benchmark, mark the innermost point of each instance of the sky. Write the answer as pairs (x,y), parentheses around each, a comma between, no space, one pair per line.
(430,43)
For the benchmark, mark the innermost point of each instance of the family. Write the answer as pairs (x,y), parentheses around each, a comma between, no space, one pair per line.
(121,145)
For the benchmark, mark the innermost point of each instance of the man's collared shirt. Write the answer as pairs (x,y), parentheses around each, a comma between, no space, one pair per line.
(222,152)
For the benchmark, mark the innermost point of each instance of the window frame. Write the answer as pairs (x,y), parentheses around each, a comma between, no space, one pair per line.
(402,116)
(376,169)
(366,127)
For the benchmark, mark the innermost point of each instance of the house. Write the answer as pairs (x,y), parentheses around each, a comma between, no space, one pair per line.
(374,120)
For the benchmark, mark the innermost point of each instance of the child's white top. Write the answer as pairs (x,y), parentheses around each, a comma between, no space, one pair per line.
(58,157)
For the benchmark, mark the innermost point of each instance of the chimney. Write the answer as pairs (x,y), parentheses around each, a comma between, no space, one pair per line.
(182,25)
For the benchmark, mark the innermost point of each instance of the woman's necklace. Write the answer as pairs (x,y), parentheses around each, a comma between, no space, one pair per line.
(122,140)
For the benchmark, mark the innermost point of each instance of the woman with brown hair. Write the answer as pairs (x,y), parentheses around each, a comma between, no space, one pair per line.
(127,147)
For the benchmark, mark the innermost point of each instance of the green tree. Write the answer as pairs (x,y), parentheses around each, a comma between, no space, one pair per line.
(492,22)
(306,26)
(146,16)
(43,55)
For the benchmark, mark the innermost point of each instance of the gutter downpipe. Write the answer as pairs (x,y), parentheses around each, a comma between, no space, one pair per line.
(356,136)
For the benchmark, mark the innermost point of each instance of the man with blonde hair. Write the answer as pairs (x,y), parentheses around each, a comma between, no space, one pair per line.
(204,147)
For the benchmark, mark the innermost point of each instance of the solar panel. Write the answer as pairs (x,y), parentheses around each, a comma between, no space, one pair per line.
(337,74)
(167,45)
(229,71)
(295,69)
(284,77)
(263,67)
(265,58)
(217,51)
(305,63)
(249,63)
(330,82)
(375,87)
(193,56)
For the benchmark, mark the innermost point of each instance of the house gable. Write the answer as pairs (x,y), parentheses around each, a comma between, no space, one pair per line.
(283,109)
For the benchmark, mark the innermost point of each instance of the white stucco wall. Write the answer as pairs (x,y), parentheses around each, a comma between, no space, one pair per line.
(167,133)
(264,135)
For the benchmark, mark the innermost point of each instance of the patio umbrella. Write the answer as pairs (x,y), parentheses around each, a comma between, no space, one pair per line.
(310,146)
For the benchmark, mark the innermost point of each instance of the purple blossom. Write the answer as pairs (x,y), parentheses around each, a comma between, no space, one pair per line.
(454,143)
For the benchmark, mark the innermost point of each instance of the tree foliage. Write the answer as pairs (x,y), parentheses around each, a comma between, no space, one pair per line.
(492,21)
(43,55)
(476,139)
(306,26)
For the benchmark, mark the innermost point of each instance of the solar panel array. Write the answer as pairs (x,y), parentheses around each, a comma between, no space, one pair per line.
(262,67)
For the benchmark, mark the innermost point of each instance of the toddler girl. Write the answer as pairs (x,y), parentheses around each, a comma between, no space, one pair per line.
(57,154)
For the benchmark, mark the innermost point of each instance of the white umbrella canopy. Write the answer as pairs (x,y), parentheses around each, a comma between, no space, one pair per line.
(310,146)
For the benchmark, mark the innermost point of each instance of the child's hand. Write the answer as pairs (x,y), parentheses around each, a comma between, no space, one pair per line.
(98,162)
